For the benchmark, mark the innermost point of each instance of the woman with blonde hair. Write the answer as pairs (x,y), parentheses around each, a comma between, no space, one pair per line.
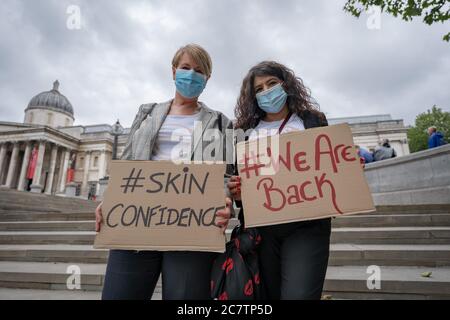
(185,275)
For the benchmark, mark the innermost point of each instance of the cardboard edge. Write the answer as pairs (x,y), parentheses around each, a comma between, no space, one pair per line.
(344,125)
(161,248)
(309,219)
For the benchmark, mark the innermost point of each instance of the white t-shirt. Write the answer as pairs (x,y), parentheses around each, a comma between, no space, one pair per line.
(264,128)
(175,138)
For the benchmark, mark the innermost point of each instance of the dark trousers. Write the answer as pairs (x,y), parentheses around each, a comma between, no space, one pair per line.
(132,275)
(294,259)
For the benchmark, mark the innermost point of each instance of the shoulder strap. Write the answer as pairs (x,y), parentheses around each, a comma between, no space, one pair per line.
(285,123)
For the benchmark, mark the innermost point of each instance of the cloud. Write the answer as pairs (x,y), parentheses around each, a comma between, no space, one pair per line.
(121,56)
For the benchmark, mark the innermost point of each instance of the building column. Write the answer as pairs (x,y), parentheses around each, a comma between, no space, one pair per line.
(25,164)
(48,189)
(36,187)
(61,165)
(3,150)
(102,165)
(12,165)
(87,161)
(64,168)
(101,169)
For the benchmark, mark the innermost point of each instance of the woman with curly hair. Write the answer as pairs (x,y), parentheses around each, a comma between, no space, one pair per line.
(293,257)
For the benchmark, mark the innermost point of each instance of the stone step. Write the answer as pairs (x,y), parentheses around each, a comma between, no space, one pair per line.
(32,294)
(390,255)
(11,207)
(57,221)
(413,209)
(408,209)
(405,220)
(53,253)
(48,226)
(387,235)
(405,209)
(49,276)
(6,193)
(340,254)
(350,282)
(54,276)
(397,235)
(12,204)
(404,235)
(390,211)
(394,220)
(26,201)
(47,237)
(47,216)
(43,205)
(43,208)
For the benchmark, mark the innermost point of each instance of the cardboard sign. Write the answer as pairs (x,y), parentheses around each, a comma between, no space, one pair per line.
(305,175)
(157,205)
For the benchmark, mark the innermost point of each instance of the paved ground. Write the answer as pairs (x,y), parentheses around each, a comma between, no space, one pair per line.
(21,294)
(391,273)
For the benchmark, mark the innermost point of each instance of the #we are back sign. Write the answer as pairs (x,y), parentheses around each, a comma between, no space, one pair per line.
(305,175)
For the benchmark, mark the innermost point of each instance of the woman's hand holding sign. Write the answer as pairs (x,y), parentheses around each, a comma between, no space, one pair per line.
(98,217)
(224,215)
(234,185)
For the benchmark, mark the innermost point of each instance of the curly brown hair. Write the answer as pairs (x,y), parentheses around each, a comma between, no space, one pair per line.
(299,101)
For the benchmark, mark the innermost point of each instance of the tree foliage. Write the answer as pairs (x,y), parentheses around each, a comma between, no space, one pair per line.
(418,136)
(432,11)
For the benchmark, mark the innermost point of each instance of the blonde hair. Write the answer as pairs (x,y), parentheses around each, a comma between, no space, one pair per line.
(200,56)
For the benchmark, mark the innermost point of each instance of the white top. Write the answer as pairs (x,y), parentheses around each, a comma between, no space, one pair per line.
(264,128)
(175,138)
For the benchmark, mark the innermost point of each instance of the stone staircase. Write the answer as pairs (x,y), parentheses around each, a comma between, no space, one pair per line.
(12,201)
(38,245)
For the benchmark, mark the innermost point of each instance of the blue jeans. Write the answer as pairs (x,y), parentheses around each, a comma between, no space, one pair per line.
(132,275)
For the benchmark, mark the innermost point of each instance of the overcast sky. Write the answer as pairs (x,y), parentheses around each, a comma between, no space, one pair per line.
(121,56)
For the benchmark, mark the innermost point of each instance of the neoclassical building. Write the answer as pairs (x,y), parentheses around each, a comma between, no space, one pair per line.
(370,131)
(46,152)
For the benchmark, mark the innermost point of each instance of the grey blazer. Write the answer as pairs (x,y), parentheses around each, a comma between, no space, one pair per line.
(148,122)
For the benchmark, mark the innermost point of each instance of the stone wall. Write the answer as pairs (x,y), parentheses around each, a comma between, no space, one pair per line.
(418,178)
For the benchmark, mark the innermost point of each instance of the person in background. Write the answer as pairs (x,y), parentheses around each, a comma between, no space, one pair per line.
(385,151)
(436,138)
(364,154)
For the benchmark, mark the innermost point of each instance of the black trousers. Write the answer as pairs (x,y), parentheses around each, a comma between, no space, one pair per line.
(132,275)
(294,259)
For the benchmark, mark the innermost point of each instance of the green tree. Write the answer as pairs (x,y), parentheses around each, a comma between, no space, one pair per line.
(418,136)
(432,11)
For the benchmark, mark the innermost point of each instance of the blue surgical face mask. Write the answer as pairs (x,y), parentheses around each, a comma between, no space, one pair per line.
(272,100)
(190,84)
